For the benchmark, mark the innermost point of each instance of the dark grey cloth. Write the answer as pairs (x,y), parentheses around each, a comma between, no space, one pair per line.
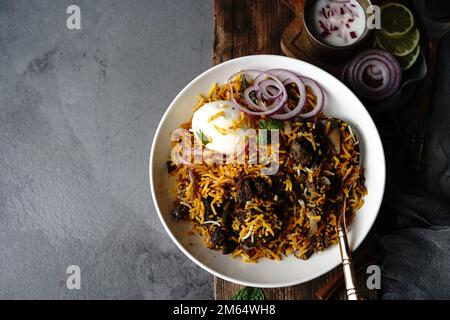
(416,263)
(414,224)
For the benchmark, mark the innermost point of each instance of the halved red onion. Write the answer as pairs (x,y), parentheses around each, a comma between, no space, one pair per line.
(388,67)
(359,69)
(374,72)
(384,74)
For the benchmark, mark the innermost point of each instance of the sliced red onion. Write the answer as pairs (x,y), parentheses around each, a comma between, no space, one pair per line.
(269,86)
(261,109)
(249,100)
(320,97)
(288,77)
(267,91)
(324,27)
(263,77)
(388,72)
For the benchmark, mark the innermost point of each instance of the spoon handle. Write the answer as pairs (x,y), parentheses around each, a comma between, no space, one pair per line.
(420,126)
(347,269)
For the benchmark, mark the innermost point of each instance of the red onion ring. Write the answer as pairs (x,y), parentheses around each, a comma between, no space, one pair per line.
(268,111)
(289,78)
(320,97)
(276,83)
(262,110)
(259,80)
(269,86)
(249,100)
(266,86)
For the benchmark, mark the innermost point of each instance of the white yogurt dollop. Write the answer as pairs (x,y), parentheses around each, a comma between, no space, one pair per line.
(218,123)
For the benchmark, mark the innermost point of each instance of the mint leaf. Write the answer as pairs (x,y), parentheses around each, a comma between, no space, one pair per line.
(249,293)
(244,83)
(202,137)
(268,124)
(263,138)
(271,124)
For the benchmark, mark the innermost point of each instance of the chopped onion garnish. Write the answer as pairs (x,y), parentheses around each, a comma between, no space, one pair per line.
(338,17)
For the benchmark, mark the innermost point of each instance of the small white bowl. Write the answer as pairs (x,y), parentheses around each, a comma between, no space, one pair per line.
(341,103)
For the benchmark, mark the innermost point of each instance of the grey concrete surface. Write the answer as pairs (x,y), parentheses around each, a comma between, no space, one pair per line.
(78,110)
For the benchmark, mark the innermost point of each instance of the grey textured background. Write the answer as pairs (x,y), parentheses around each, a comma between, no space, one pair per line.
(78,110)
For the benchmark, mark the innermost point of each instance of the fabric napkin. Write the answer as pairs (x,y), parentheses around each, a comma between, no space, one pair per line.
(414,223)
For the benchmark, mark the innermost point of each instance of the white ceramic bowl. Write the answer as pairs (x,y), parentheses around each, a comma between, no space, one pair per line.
(341,103)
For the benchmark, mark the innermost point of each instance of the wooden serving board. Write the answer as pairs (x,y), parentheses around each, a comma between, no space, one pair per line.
(245,27)
(295,44)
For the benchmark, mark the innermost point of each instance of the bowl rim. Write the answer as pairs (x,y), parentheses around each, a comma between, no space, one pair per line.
(194,259)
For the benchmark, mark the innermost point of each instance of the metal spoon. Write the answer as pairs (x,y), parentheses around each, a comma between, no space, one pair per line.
(344,247)
(346,257)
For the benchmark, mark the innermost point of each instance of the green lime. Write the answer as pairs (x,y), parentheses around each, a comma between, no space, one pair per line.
(396,20)
(399,47)
(407,61)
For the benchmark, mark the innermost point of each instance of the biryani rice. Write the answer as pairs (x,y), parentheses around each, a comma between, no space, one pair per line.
(263,228)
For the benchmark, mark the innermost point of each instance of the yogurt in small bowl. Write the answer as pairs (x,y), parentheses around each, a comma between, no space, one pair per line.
(338,23)
(334,28)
